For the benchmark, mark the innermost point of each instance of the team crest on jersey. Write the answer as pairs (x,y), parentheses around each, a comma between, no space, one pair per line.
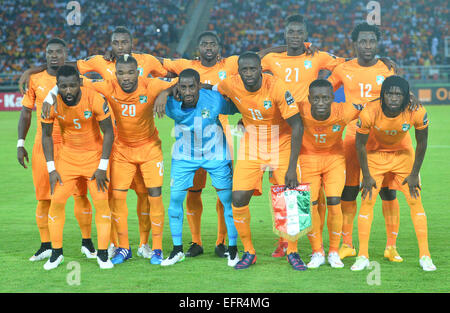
(307,64)
(142,99)
(336,128)
(141,71)
(267,104)
(222,75)
(205,113)
(406,127)
(87,114)
(380,79)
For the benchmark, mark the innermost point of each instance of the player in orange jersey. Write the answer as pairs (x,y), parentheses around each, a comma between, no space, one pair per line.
(272,140)
(322,163)
(137,146)
(121,43)
(388,150)
(40,84)
(362,79)
(298,69)
(84,155)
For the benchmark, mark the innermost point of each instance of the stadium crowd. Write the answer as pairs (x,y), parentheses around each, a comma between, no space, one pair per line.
(413,31)
(23,23)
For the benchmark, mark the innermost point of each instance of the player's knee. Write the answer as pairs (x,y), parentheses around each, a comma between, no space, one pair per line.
(119,194)
(387,194)
(241,198)
(350,193)
(333,200)
(154,192)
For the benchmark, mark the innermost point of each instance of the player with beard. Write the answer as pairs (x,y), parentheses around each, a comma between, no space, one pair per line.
(40,84)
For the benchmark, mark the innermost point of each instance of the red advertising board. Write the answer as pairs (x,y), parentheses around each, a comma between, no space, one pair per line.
(10,101)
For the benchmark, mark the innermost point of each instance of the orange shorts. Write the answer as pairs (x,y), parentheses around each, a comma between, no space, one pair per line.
(40,174)
(249,171)
(126,161)
(393,165)
(138,184)
(75,168)
(326,170)
(353,170)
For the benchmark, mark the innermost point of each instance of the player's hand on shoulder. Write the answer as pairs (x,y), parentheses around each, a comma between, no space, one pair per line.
(108,56)
(22,155)
(54,178)
(311,50)
(390,64)
(46,108)
(23,81)
(366,186)
(413,182)
(101,179)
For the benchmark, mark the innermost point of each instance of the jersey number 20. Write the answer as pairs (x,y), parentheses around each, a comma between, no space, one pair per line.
(128,110)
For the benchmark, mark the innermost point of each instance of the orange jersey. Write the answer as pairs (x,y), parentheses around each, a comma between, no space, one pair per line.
(39,86)
(361,84)
(325,137)
(298,72)
(263,112)
(79,124)
(147,64)
(386,133)
(133,112)
(209,75)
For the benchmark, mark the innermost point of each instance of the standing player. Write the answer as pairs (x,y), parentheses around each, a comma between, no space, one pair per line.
(362,79)
(388,150)
(84,155)
(121,43)
(272,139)
(298,69)
(137,147)
(200,143)
(322,163)
(40,84)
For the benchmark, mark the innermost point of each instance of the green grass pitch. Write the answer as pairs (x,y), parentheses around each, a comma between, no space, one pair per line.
(207,273)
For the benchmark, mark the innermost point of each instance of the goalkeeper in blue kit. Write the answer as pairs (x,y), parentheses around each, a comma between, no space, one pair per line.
(200,143)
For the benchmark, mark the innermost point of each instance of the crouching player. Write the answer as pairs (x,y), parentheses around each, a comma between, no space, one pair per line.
(388,150)
(84,156)
(200,143)
(322,162)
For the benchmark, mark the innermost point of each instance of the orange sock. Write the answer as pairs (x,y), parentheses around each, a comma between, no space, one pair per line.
(292,247)
(241,217)
(120,218)
(83,213)
(194,210)
(365,219)
(315,236)
(348,215)
(419,219)
(322,208)
(56,219)
(157,220)
(114,238)
(103,223)
(334,224)
(221,226)
(391,213)
(143,213)
(42,219)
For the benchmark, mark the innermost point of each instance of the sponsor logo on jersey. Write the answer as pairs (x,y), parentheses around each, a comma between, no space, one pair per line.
(336,128)
(359,107)
(307,64)
(222,75)
(205,113)
(406,127)
(142,99)
(87,114)
(267,104)
(380,79)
